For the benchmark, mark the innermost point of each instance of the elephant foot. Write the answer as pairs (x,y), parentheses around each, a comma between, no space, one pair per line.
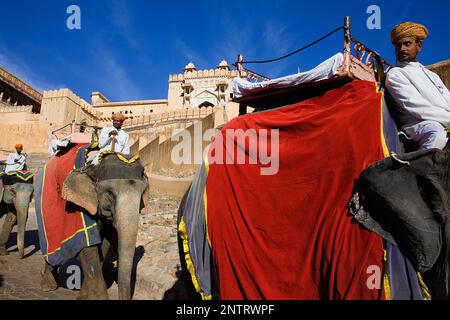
(48,282)
(48,287)
(3,251)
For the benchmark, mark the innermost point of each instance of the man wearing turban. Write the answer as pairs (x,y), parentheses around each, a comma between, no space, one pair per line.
(421,98)
(114,133)
(16,161)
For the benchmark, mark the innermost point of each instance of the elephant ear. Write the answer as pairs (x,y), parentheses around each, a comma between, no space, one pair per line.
(79,189)
(435,196)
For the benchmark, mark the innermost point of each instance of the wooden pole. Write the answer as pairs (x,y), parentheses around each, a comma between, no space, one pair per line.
(113,143)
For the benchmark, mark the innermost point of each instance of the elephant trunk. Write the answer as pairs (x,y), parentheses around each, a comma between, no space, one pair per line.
(22,203)
(126,220)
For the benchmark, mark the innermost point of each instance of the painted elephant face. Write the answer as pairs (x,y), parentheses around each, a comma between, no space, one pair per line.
(17,194)
(97,188)
(114,190)
(13,190)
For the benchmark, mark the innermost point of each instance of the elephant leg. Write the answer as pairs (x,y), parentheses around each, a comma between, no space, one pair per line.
(48,281)
(109,263)
(106,246)
(93,286)
(8,225)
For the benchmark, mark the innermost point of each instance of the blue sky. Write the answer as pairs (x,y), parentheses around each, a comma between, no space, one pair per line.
(127,49)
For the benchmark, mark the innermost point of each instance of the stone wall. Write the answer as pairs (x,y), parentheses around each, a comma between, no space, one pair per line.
(25,128)
(157,156)
(131,108)
(61,107)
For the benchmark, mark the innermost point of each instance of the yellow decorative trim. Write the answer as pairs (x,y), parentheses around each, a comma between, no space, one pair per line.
(121,158)
(93,145)
(447,129)
(42,211)
(187,256)
(205,201)
(383,138)
(386,284)
(424,287)
(67,239)
(14,173)
(85,229)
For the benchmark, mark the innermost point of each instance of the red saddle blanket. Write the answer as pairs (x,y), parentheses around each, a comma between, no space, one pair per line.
(64,229)
(288,235)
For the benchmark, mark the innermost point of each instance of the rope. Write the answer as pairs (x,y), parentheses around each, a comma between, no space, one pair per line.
(296,51)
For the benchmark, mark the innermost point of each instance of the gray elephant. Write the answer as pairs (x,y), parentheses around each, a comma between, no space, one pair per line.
(15,198)
(113,192)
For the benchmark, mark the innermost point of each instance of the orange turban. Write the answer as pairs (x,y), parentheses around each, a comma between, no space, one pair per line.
(19,145)
(118,116)
(409,29)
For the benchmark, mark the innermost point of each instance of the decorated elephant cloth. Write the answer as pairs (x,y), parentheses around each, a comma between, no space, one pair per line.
(64,228)
(289,235)
(17,176)
(405,199)
(125,158)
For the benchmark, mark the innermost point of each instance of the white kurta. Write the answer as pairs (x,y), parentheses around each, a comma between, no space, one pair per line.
(422,103)
(55,143)
(419,93)
(12,165)
(105,142)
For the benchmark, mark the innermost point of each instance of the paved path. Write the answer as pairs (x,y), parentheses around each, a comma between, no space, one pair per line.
(157,269)
(20,278)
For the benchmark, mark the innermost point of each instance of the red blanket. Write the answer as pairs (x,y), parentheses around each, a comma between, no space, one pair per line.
(63,228)
(288,235)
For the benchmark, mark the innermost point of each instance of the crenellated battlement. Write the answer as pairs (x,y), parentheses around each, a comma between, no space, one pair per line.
(11,109)
(202,74)
(57,97)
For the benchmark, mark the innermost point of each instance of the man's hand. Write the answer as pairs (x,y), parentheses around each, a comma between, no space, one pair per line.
(113,133)
(16,160)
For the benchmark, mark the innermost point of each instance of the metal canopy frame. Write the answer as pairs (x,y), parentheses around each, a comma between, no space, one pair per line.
(361,63)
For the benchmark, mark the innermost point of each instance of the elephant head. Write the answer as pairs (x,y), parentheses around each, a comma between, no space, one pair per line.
(16,196)
(115,191)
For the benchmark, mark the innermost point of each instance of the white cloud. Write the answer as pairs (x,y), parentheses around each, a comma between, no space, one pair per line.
(19,68)
(114,81)
(190,54)
(255,42)
(276,39)
(121,18)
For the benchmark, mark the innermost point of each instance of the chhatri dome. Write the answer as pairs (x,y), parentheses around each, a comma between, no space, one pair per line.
(190,67)
(223,65)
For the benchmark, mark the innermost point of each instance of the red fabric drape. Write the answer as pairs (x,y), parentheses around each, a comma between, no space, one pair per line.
(61,219)
(288,235)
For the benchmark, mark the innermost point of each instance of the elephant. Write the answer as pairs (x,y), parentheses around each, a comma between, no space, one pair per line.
(113,192)
(15,198)
(405,199)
